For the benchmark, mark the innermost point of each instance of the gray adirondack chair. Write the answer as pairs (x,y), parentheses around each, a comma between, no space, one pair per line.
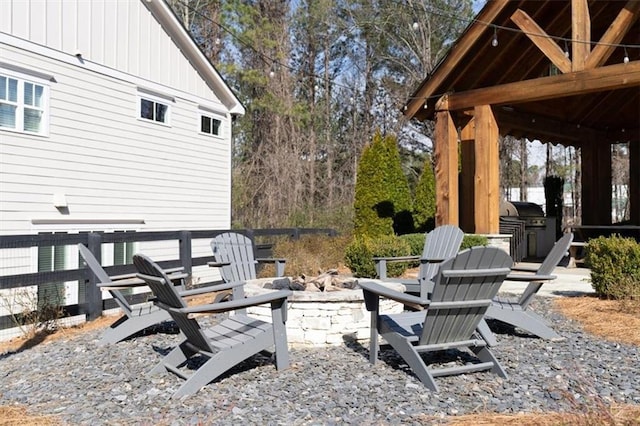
(463,289)
(223,345)
(136,317)
(440,244)
(515,311)
(233,253)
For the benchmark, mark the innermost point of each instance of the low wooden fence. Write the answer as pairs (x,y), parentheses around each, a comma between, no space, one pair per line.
(92,304)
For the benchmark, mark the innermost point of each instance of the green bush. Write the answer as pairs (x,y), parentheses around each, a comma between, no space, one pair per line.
(424,205)
(615,267)
(415,242)
(473,240)
(360,253)
(382,204)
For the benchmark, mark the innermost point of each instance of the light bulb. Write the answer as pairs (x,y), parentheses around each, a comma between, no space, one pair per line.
(626,56)
(272,74)
(414,26)
(494,40)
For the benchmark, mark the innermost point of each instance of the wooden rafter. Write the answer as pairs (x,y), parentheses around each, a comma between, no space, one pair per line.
(581,34)
(614,35)
(560,131)
(542,40)
(611,77)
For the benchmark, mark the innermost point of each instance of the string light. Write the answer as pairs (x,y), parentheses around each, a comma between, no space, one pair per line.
(494,40)
(566,49)
(415,26)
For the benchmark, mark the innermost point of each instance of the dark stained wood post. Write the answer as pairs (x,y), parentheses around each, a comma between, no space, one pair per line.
(634,181)
(446,159)
(596,183)
(487,179)
(467,192)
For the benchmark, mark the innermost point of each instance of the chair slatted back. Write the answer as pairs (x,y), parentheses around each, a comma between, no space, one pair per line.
(464,288)
(559,250)
(167,295)
(237,250)
(102,277)
(441,243)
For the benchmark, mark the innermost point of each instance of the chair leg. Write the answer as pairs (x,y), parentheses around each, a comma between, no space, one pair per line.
(280,335)
(486,333)
(485,355)
(178,355)
(409,354)
(528,321)
(207,373)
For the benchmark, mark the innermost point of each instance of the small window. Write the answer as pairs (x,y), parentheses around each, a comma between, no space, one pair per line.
(23,105)
(210,125)
(154,110)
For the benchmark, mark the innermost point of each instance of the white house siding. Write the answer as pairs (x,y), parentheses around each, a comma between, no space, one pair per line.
(119,34)
(114,170)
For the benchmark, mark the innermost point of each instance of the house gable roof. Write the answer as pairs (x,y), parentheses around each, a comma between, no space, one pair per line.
(165,16)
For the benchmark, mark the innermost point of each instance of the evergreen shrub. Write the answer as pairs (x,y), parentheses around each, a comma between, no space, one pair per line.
(360,253)
(382,197)
(473,240)
(615,267)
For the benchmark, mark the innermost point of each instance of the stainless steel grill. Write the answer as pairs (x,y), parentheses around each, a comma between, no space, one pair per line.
(539,230)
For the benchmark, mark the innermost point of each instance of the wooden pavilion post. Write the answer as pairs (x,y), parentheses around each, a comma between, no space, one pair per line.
(596,183)
(446,160)
(634,181)
(467,176)
(487,181)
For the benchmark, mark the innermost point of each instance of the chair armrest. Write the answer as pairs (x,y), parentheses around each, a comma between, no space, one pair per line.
(211,289)
(396,259)
(218,264)
(525,268)
(279,263)
(381,263)
(270,260)
(215,308)
(388,293)
(530,277)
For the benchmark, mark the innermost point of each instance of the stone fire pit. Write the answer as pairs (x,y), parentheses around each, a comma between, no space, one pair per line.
(324,318)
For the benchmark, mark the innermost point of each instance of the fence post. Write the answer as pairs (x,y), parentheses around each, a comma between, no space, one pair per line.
(185,253)
(92,292)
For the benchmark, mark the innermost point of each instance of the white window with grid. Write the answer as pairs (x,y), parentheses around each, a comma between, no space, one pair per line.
(24,104)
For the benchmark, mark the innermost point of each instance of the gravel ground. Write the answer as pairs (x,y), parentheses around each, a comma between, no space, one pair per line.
(83,383)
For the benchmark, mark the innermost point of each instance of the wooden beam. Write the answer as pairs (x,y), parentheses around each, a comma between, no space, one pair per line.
(454,56)
(446,171)
(581,34)
(552,130)
(634,181)
(542,40)
(614,35)
(611,77)
(487,183)
(467,176)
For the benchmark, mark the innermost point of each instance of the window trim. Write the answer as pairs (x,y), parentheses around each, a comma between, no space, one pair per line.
(156,99)
(211,116)
(24,78)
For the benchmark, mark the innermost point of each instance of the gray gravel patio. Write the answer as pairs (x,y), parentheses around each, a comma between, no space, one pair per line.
(82,383)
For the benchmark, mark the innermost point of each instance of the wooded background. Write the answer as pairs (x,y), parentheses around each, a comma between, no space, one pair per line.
(318,79)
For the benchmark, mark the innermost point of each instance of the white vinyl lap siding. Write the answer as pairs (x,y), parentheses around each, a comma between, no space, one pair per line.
(110,164)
